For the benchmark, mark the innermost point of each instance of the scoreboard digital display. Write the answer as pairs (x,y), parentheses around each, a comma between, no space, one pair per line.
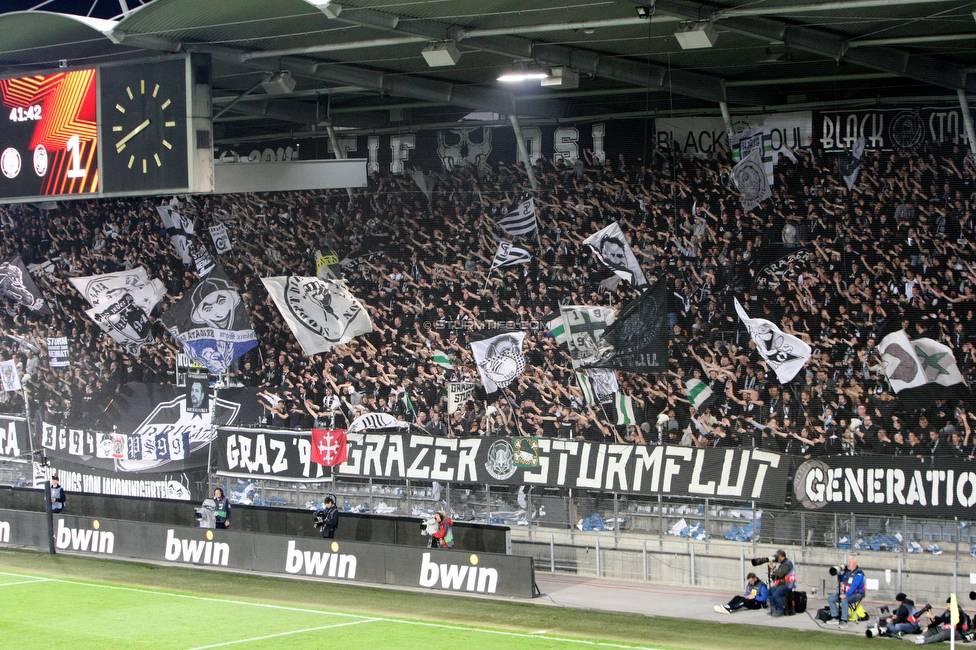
(49,135)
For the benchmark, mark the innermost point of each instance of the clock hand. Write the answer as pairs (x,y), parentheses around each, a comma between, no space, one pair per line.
(120,145)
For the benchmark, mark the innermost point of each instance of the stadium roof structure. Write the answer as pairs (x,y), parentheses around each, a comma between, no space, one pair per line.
(360,64)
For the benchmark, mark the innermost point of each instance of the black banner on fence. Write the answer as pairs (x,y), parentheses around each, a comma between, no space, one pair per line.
(357,562)
(887,129)
(892,486)
(737,474)
(187,485)
(14,445)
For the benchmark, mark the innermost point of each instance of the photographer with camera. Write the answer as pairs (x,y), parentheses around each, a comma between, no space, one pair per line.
(756,596)
(221,509)
(783,575)
(941,628)
(851,590)
(445,530)
(327,520)
(904,620)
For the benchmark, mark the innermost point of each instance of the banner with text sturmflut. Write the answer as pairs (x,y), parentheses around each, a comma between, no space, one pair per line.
(872,484)
(735,474)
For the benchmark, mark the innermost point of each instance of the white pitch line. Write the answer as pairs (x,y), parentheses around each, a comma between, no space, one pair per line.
(441,626)
(272,636)
(24,582)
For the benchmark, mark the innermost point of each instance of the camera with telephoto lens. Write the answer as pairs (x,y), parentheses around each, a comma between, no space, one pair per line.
(318,519)
(756,561)
(837,570)
(875,631)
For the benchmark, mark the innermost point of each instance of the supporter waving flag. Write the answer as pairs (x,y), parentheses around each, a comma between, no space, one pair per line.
(508,255)
(211,323)
(520,221)
(17,284)
(109,287)
(125,321)
(613,249)
(180,231)
(320,313)
(785,353)
(499,357)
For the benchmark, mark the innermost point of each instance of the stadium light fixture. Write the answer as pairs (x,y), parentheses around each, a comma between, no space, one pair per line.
(696,36)
(518,73)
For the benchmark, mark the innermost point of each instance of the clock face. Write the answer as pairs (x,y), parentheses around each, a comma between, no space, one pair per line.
(144,126)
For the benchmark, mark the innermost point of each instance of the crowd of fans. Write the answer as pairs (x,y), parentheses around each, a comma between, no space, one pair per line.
(897,248)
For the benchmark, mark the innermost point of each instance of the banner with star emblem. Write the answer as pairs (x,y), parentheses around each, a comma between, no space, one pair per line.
(785,353)
(329,446)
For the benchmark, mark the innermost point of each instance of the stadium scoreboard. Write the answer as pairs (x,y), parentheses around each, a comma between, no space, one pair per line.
(134,128)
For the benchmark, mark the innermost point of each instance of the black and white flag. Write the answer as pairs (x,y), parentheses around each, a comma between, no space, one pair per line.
(613,249)
(785,353)
(221,238)
(509,255)
(520,221)
(637,340)
(108,287)
(202,259)
(17,284)
(123,320)
(750,179)
(211,323)
(320,313)
(849,163)
(458,393)
(180,231)
(499,357)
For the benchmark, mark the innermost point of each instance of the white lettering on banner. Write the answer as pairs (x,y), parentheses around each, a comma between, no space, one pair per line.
(596,481)
(82,539)
(372,456)
(5,532)
(8,441)
(724,489)
(565,449)
(671,468)
(617,458)
(394,456)
(532,136)
(344,145)
(648,460)
(696,486)
(123,487)
(700,136)
(373,151)
(467,470)
(541,475)
(599,131)
(316,563)
(766,460)
(416,470)
(458,577)
(438,471)
(401,146)
(354,454)
(564,144)
(196,551)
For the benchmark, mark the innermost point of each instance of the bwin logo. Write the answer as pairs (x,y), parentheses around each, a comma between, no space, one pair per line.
(196,551)
(452,576)
(315,563)
(5,532)
(79,539)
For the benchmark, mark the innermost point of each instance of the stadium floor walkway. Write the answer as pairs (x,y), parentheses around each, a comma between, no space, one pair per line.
(681,602)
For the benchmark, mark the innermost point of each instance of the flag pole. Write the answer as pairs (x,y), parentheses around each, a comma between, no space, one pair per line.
(488,279)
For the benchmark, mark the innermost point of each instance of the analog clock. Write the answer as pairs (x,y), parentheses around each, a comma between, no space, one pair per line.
(144,126)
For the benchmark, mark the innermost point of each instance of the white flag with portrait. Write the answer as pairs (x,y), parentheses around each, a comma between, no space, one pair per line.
(784,353)
(750,179)
(9,376)
(320,313)
(125,322)
(901,364)
(613,249)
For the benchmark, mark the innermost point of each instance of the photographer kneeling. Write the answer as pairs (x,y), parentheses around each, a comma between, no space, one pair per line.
(851,592)
(941,628)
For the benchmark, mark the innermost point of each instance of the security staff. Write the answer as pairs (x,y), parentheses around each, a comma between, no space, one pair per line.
(221,509)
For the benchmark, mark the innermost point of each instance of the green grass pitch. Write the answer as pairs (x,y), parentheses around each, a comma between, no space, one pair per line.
(75,602)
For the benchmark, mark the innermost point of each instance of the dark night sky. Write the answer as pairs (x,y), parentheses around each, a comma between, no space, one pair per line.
(103,8)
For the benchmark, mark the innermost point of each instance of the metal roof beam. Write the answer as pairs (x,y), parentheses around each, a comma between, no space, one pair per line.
(922,68)
(684,82)
(390,84)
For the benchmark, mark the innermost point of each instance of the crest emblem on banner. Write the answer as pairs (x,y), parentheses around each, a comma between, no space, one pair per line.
(526,452)
(501,460)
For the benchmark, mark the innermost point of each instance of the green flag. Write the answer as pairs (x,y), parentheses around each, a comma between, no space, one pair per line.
(408,401)
(440,358)
(557,330)
(625,409)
